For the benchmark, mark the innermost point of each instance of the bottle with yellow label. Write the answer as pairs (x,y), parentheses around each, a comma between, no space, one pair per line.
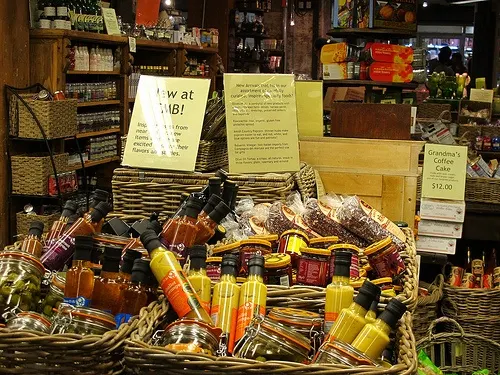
(374,337)
(226,298)
(172,279)
(197,275)
(340,293)
(351,320)
(253,295)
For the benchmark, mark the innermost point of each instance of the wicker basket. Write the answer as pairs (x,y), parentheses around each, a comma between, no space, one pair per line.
(23,221)
(427,308)
(29,352)
(432,110)
(212,155)
(459,351)
(30,172)
(57,118)
(307,182)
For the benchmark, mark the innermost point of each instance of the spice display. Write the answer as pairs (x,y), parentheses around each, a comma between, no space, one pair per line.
(55,296)
(30,321)
(354,250)
(214,268)
(59,225)
(278,269)
(190,335)
(82,321)
(313,267)
(249,248)
(107,287)
(225,300)
(32,244)
(79,284)
(197,275)
(339,293)
(385,259)
(292,241)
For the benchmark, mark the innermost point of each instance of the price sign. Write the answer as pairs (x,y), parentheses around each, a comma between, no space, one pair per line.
(444,172)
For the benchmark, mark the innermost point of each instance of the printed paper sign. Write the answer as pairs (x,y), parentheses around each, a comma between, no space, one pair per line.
(166,123)
(444,172)
(110,21)
(261,119)
(478,95)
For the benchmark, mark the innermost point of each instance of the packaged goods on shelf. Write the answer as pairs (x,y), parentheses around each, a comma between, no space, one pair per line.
(435,228)
(442,210)
(390,53)
(342,70)
(339,52)
(390,72)
(439,245)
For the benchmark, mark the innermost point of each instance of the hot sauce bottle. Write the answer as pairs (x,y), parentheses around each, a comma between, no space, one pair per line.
(197,275)
(80,277)
(339,294)
(108,286)
(32,244)
(225,300)
(253,296)
(59,225)
(99,196)
(207,225)
(128,262)
(477,266)
(61,250)
(173,280)
(213,201)
(135,296)
(374,337)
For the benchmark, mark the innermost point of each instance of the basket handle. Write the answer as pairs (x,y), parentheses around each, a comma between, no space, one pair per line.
(444,319)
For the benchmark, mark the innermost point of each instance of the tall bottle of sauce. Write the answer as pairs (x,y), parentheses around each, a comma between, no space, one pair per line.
(206,225)
(352,319)
(371,315)
(253,296)
(97,197)
(210,206)
(172,279)
(80,277)
(62,249)
(229,193)
(32,244)
(108,286)
(225,300)
(128,262)
(340,293)
(59,225)
(197,275)
(477,267)
(374,337)
(491,262)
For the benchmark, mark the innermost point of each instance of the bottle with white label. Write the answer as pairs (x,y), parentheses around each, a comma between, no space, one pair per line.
(93,60)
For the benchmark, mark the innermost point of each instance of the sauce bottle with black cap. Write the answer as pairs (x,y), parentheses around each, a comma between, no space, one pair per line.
(214,186)
(225,300)
(173,280)
(351,320)
(108,286)
(59,225)
(128,262)
(197,275)
(229,193)
(207,225)
(99,196)
(210,206)
(32,244)
(253,295)
(374,337)
(79,285)
(62,249)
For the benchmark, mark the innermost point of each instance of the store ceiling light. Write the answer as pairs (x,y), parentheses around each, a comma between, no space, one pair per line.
(461,2)
(168,2)
(425,4)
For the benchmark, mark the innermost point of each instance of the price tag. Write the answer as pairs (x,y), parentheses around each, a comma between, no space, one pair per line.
(131,44)
(444,172)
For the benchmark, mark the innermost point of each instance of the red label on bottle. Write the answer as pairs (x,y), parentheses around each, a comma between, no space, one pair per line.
(179,293)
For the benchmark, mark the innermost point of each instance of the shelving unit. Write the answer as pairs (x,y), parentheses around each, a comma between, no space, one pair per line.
(99,103)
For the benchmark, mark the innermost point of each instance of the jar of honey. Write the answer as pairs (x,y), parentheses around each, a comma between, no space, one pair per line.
(313,267)
(385,259)
(278,269)
(354,250)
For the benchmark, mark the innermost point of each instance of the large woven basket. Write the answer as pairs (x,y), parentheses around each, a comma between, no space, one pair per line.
(23,221)
(212,155)
(427,307)
(459,351)
(432,110)
(57,118)
(29,352)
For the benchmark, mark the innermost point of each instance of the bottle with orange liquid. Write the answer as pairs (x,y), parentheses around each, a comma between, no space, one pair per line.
(108,287)
(59,225)
(32,244)
(206,225)
(80,277)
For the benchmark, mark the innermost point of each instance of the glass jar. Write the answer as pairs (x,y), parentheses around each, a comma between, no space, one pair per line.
(273,238)
(191,335)
(82,321)
(214,268)
(386,286)
(323,242)
(29,321)
(232,248)
(356,284)
(291,242)
(336,352)
(278,269)
(267,340)
(55,296)
(354,250)
(313,266)
(248,248)
(20,281)
(385,259)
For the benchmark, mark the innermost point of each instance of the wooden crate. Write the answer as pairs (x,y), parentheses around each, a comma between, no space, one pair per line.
(381,172)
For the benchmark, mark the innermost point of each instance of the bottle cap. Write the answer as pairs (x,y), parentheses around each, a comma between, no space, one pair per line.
(213,201)
(198,256)
(140,271)
(222,174)
(393,312)
(100,211)
(83,248)
(128,260)
(112,257)
(229,265)
(342,263)
(155,225)
(36,229)
(256,265)
(99,196)
(219,212)
(72,219)
(193,207)
(69,208)
(150,240)
(214,186)
(227,193)
(367,293)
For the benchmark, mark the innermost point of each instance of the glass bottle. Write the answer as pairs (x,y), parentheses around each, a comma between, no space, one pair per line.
(107,288)
(253,296)
(371,315)
(172,279)
(80,277)
(62,250)
(49,10)
(63,14)
(32,244)
(352,319)
(229,193)
(225,300)
(206,225)
(212,202)
(339,294)
(197,275)
(59,225)
(97,197)
(374,337)
(128,262)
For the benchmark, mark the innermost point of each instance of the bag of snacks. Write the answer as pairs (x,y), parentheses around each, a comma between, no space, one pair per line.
(318,216)
(252,222)
(368,223)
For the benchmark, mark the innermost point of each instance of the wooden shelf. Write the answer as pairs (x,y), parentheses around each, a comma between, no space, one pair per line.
(131,100)
(95,133)
(93,163)
(358,82)
(193,48)
(78,35)
(245,35)
(371,33)
(156,44)
(84,72)
(98,103)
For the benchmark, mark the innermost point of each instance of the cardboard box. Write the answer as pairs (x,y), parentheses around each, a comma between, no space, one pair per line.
(435,228)
(335,71)
(391,53)
(441,210)
(395,14)
(438,245)
(390,72)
